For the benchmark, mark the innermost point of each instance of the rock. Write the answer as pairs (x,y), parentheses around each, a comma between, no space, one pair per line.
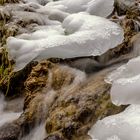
(74,112)
(8,1)
(10,131)
(122,6)
(55,137)
(10,80)
(69,102)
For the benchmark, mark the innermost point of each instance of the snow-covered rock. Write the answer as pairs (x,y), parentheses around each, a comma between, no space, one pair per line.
(123,126)
(85,35)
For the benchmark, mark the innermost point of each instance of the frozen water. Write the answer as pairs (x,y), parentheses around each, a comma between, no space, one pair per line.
(123,126)
(126,79)
(85,35)
(95,7)
(101,8)
(59,10)
(125,83)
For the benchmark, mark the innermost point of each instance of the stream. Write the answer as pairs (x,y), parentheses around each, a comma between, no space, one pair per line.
(72,70)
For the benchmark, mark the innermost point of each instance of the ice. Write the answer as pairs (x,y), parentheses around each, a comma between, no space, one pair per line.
(41,32)
(126,79)
(126,91)
(34,17)
(59,10)
(84,35)
(125,88)
(123,126)
(101,8)
(125,83)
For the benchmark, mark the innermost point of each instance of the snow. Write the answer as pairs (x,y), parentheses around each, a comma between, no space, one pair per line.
(123,126)
(84,35)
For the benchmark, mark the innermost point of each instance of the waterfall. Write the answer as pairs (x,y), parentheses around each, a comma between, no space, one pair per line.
(37,133)
(6,116)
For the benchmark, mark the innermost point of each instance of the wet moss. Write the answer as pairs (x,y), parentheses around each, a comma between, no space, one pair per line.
(2,2)
(74,114)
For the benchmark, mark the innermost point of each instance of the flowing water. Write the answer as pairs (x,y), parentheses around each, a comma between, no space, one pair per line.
(37,133)
(6,116)
(44,27)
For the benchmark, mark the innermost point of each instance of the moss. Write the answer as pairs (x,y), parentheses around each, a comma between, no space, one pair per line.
(2,2)
(74,114)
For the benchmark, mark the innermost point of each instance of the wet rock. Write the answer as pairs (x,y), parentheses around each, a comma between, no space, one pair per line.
(74,112)
(46,76)
(8,1)
(69,108)
(10,131)
(122,6)
(10,80)
(55,137)
(42,89)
